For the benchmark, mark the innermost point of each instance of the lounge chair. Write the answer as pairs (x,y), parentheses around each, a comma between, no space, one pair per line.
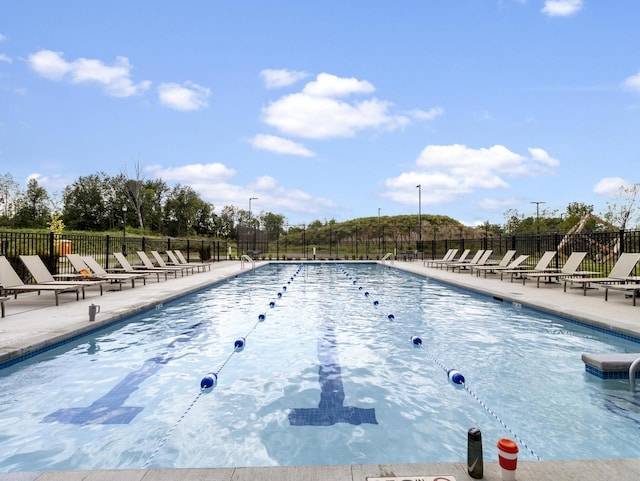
(504,262)
(2,301)
(462,258)
(127,267)
(618,275)
(480,258)
(42,276)
(570,268)
(161,263)
(630,289)
(10,283)
(450,254)
(88,267)
(541,266)
(183,261)
(494,269)
(149,266)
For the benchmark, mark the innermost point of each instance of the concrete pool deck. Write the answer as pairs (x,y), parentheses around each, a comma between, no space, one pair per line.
(33,322)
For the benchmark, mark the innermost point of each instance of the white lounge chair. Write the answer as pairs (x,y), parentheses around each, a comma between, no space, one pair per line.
(462,258)
(10,283)
(618,274)
(449,255)
(161,263)
(149,266)
(42,276)
(495,269)
(127,267)
(479,259)
(541,266)
(2,301)
(504,262)
(183,261)
(570,268)
(89,267)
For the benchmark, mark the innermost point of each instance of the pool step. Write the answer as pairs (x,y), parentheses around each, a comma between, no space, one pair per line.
(610,366)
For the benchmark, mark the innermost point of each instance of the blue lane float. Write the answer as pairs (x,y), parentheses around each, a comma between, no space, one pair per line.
(391,317)
(272,304)
(455,376)
(416,340)
(239,344)
(209,381)
(262,317)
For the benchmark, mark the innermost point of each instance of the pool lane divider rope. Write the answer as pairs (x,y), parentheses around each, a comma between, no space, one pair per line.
(210,380)
(454,375)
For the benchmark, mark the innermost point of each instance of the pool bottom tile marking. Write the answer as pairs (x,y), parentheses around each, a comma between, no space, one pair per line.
(331,409)
(109,409)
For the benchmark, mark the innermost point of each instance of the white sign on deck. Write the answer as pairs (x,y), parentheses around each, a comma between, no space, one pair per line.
(413,478)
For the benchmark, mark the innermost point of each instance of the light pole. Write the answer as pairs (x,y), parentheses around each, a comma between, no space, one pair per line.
(124,230)
(537,203)
(379,252)
(251,221)
(419,187)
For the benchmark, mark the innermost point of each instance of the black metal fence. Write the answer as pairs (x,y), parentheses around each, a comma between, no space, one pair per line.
(602,248)
(52,248)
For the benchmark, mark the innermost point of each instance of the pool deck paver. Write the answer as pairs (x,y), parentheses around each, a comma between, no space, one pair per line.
(34,322)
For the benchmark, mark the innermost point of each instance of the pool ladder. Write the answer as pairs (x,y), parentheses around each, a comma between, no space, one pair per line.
(246,258)
(632,373)
(388,255)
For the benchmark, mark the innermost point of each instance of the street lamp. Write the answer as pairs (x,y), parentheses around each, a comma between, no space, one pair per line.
(419,187)
(379,252)
(124,230)
(251,221)
(537,203)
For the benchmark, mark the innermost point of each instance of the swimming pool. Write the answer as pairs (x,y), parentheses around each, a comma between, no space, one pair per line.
(327,377)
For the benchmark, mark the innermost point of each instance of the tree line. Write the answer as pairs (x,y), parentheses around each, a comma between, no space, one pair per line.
(100,202)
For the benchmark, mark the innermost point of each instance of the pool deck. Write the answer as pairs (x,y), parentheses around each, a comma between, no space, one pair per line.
(33,322)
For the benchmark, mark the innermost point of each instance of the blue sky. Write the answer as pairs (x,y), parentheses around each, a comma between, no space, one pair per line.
(332,109)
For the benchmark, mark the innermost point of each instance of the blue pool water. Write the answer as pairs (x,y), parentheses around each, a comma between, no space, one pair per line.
(327,377)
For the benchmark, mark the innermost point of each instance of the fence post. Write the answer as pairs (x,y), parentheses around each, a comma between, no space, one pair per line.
(51,245)
(621,241)
(107,249)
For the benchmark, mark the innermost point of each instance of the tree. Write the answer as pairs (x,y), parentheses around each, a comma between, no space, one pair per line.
(89,203)
(272,223)
(184,211)
(33,207)
(135,193)
(226,222)
(9,194)
(513,221)
(154,195)
(624,210)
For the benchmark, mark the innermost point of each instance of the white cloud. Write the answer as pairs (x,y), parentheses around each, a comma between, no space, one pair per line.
(327,85)
(115,78)
(212,182)
(322,111)
(561,8)
(426,114)
(446,172)
(189,96)
(212,172)
(2,38)
(281,78)
(633,82)
(276,144)
(611,186)
(5,58)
